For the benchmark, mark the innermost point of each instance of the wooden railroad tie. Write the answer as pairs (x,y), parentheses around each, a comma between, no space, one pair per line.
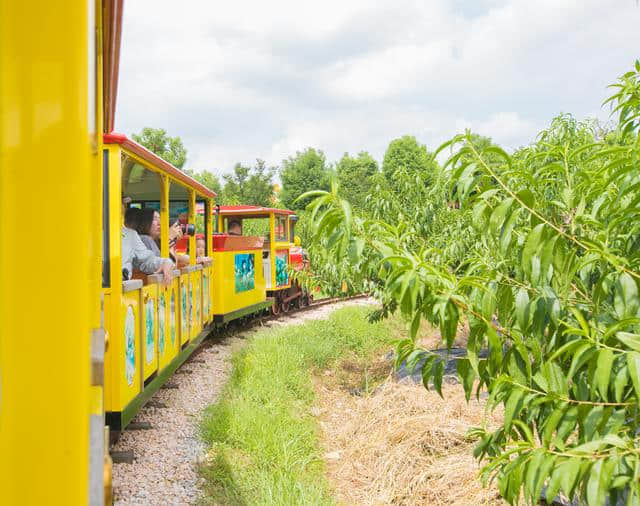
(139,426)
(171,386)
(184,371)
(125,457)
(156,404)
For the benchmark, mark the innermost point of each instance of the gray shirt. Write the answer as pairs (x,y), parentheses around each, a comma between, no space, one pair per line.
(136,255)
(150,244)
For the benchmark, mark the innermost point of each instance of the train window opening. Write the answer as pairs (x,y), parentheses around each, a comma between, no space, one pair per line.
(281,228)
(200,218)
(106,239)
(292,227)
(251,226)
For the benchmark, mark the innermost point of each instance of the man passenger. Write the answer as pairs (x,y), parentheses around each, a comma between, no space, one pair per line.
(235,228)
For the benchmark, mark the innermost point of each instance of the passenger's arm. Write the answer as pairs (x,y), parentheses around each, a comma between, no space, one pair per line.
(144,259)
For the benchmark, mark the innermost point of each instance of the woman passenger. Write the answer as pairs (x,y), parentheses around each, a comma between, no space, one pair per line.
(149,230)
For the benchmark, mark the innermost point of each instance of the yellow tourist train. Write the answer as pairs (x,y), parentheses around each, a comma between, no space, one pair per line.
(83,347)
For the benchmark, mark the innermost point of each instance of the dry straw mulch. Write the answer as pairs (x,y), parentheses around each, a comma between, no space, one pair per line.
(401,444)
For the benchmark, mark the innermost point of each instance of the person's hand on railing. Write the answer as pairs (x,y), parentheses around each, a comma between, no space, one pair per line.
(167,272)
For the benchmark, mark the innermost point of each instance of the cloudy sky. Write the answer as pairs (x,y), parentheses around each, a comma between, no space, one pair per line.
(242,80)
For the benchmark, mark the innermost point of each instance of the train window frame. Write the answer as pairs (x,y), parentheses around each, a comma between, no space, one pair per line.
(283,220)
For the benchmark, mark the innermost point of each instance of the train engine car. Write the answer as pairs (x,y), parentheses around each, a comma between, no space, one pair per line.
(280,251)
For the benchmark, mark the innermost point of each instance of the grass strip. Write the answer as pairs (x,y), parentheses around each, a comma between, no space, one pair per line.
(263,439)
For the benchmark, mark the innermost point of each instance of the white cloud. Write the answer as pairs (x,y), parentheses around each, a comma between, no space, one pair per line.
(507,129)
(252,79)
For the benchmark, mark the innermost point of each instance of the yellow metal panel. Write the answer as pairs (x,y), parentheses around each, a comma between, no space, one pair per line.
(226,296)
(164,216)
(272,251)
(45,361)
(192,219)
(114,320)
(109,370)
(149,330)
(206,294)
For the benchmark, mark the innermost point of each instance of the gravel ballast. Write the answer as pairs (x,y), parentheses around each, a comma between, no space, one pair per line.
(164,470)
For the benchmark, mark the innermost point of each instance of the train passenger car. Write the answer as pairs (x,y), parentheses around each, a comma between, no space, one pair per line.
(152,327)
(280,251)
(58,80)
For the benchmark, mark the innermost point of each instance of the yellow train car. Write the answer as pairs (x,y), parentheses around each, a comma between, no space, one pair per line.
(57,81)
(277,225)
(153,326)
(239,285)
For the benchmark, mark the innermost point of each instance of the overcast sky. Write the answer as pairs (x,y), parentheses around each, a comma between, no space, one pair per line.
(242,80)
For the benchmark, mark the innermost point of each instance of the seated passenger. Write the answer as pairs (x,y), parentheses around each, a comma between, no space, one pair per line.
(200,246)
(149,230)
(234,228)
(136,255)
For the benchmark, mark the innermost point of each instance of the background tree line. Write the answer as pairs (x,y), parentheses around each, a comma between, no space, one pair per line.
(358,176)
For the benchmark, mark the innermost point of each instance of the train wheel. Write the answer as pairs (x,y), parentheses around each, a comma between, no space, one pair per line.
(275,307)
(299,301)
(285,306)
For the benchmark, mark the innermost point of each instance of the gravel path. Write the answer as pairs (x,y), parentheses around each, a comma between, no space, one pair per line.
(164,470)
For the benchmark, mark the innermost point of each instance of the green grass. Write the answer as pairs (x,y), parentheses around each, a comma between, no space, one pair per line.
(262,435)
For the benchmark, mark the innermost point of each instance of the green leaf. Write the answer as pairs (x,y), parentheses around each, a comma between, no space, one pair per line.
(495,349)
(526,197)
(603,371)
(629,339)
(625,298)
(592,421)
(582,354)
(555,482)
(522,309)
(467,375)
(567,424)
(512,407)
(531,478)
(427,370)
(551,423)
(438,373)
(531,246)
(633,363)
(415,325)
(599,480)
(507,231)
(620,382)
(498,216)
(569,471)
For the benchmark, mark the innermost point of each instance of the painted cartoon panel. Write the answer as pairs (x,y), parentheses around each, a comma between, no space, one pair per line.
(191,308)
(183,315)
(282,270)
(161,327)
(150,327)
(173,318)
(129,345)
(244,272)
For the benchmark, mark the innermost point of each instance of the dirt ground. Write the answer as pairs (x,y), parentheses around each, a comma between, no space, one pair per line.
(390,442)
